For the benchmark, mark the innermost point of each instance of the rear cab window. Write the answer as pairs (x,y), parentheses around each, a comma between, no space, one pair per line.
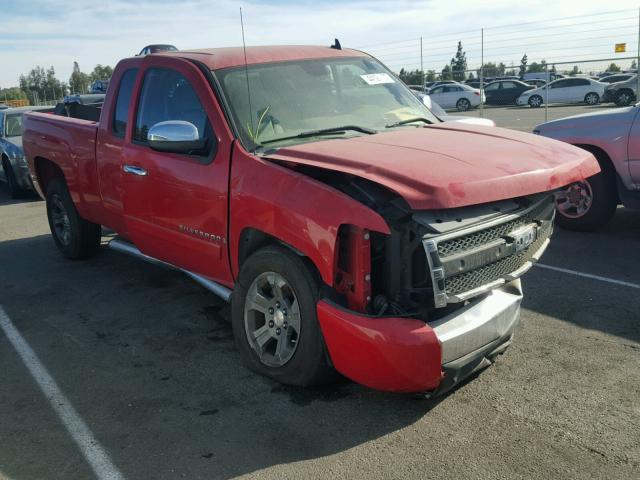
(121,111)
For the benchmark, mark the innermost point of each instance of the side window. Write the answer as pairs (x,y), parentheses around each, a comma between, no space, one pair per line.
(491,87)
(509,85)
(559,84)
(166,95)
(582,82)
(121,112)
(437,90)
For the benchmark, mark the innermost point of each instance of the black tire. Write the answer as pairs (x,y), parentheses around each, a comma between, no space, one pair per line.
(308,366)
(15,191)
(603,205)
(535,101)
(625,98)
(592,98)
(83,240)
(462,105)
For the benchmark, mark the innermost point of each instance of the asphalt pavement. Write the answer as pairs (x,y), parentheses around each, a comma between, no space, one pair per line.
(146,359)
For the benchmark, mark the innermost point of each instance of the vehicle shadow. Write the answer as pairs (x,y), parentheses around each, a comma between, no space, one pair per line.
(5,197)
(592,304)
(148,359)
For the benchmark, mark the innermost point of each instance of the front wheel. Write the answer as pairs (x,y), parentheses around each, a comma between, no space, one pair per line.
(588,205)
(535,101)
(74,236)
(274,318)
(463,105)
(592,98)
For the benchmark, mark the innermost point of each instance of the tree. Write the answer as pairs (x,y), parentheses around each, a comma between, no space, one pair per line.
(12,93)
(575,71)
(414,77)
(613,68)
(537,67)
(101,72)
(523,66)
(41,85)
(634,65)
(431,76)
(459,64)
(446,73)
(490,69)
(78,82)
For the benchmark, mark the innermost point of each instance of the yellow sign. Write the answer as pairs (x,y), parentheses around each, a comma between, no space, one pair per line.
(621,47)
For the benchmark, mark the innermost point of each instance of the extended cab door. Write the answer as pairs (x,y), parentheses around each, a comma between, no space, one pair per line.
(176,205)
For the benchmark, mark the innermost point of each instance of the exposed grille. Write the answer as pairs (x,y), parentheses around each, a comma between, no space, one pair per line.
(465,265)
(483,275)
(475,239)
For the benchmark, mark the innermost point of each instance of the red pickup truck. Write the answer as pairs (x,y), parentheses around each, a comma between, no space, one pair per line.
(350,228)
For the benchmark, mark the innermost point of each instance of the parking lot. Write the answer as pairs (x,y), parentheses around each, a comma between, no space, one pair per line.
(146,358)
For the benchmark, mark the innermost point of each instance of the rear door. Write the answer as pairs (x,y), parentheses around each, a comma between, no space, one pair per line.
(176,204)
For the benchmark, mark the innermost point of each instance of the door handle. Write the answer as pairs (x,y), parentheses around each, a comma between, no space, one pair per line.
(141,172)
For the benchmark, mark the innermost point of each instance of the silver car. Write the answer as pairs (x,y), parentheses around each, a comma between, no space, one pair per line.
(14,171)
(613,137)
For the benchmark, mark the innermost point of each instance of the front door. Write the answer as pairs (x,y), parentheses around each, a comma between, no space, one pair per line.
(176,204)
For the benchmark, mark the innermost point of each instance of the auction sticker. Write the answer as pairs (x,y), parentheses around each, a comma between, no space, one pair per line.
(377,78)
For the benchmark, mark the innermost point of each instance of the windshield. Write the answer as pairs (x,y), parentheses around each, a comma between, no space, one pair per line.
(13,125)
(293,98)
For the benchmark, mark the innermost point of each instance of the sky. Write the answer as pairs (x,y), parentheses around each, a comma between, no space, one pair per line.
(57,33)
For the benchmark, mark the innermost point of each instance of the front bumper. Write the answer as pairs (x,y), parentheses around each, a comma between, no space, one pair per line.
(407,355)
(609,96)
(522,101)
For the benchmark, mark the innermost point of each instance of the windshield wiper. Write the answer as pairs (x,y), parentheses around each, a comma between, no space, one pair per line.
(410,120)
(323,131)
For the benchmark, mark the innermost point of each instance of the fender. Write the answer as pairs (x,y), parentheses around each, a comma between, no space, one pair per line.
(293,208)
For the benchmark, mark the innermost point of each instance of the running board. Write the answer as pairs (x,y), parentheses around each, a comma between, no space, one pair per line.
(128,248)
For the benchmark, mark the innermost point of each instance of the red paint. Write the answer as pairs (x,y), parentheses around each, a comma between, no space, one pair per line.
(422,164)
(392,354)
(353,267)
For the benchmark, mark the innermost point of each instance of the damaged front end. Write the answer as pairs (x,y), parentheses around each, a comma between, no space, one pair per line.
(422,308)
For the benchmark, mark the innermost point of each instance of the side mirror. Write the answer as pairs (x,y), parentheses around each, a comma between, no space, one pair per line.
(176,136)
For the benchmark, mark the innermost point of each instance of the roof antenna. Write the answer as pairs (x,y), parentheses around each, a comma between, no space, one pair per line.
(336,44)
(246,74)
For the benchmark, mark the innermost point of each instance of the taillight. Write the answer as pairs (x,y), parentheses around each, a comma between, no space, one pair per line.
(477,93)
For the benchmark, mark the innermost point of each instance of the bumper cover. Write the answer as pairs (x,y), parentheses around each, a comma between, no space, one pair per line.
(407,355)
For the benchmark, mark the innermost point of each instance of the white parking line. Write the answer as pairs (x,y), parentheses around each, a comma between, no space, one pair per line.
(589,275)
(97,457)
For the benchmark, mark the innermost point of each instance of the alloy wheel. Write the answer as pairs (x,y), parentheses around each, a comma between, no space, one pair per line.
(272,319)
(575,200)
(60,220)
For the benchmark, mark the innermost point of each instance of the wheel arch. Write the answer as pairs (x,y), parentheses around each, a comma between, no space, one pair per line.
(603,158)
(45,171)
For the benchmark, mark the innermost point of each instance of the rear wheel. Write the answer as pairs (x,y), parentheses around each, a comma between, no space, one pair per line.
(535,101)
(15,191)
(74,236)
(592,98)
(624,98)
(463,105)
(588,205)
(274,318)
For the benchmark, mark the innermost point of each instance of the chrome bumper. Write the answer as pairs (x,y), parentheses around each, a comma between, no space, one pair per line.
(481,325)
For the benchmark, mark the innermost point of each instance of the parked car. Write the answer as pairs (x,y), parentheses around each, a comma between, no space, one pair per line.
(541,76)
(565,90)
(98,86)
(14,169)
(613,136)
(621,77)
(458,96)
(622,93)
(348,226)
(149,49)
(504,92)
(473,83)
(536,82)
(439,112)
(3,106)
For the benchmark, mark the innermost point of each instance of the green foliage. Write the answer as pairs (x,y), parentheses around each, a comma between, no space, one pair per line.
(614,68)
(41,85)
(446,73)
(431,76)
(13,93)
(575,71)
(459,64)
(490,69)
(538,67)
(414,77)
(78,81)
(101,72)
(523,65)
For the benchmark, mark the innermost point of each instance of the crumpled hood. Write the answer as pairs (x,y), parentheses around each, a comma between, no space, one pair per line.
(450,165)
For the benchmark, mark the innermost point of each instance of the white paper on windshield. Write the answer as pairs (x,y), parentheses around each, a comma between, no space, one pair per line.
(377,78)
